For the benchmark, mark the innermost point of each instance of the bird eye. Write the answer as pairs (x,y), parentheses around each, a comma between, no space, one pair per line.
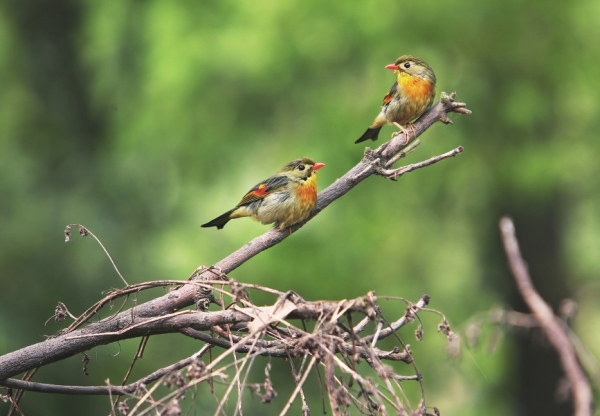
(300,167)
(407,65)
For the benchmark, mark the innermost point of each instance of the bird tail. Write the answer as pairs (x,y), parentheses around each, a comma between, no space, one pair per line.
(369,134)
(220,221)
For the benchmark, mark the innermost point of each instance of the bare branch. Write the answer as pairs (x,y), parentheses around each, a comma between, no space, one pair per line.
(409,316)
(102,390)
(393,174)
(298,386)
(554,331)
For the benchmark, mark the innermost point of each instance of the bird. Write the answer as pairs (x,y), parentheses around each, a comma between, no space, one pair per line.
(285,199)
(410,96)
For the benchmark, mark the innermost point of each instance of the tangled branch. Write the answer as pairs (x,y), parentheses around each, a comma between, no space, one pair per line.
(268,331)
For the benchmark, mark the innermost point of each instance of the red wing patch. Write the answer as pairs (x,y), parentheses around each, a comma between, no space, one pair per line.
(387,98)
(254,195)
(264,189)
(390,94)
(261,190)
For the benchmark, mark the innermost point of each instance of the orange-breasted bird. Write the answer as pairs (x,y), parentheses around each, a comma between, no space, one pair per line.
(286,198)
(410,96)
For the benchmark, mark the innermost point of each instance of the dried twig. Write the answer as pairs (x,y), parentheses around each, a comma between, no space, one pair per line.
(84,232)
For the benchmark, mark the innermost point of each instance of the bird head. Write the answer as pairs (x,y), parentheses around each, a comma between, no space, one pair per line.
(414,66)
(301,168)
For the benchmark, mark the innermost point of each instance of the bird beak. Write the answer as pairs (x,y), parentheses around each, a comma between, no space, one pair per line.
(393,67)
(318,166)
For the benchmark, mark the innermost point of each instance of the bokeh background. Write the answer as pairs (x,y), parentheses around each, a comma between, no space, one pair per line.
(144,119)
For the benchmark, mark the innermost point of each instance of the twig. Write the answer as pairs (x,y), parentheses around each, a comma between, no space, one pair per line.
(84,232)
(299,385)
(62,389)
(377,332)
(305,408)
(355,375)
(102,390)
(525,320)
(409,316)
(409,148)
(236,379)
(131,327)
(580,388)
(393,174)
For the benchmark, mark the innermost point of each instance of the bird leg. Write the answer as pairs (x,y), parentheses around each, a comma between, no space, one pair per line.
(412,128)
(406,133)
(281,229)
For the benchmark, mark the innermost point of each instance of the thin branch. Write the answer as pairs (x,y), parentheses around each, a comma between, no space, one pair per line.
(554,331)
(525,320)
(299,385)
(376,336)
(360,327)
(305,408)
(408,317)
(102,390)
(236,378)
(62,389)
(393,174)
(354,374)
(84,232)
(284,348)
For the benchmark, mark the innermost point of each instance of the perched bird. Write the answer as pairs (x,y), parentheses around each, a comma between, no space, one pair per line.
(410,96)
(286,198)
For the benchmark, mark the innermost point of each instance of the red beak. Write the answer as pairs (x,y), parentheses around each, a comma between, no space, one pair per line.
(318,166)
(392,67)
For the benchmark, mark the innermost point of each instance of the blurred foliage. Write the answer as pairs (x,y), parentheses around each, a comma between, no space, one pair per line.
(144,119)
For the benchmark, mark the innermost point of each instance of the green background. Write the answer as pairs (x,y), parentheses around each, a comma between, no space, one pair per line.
(142,120)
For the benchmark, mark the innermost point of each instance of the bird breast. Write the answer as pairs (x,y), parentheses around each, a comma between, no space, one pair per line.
(415,88)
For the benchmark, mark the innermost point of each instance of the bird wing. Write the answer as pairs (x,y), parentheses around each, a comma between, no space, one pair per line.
(263,189)
(390,95)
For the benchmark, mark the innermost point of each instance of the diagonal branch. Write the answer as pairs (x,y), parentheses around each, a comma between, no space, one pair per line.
(371,163)
(554,331)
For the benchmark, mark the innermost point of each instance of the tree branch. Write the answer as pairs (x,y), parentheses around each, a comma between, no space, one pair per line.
(103,390)
(138,320)
(554,331)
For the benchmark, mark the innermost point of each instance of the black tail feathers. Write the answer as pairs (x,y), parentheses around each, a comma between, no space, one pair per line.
(220,221)
(369,134)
